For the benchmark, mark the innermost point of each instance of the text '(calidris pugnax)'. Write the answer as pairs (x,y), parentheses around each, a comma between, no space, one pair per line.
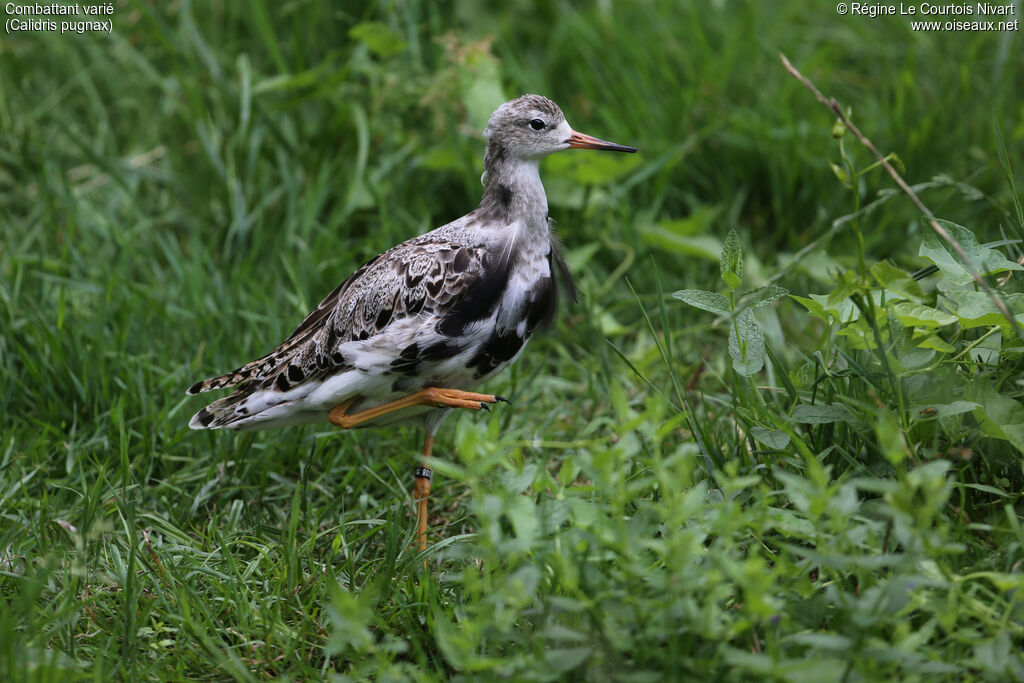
(411,330)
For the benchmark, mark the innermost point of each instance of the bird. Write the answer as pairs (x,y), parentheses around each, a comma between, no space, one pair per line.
(412,330)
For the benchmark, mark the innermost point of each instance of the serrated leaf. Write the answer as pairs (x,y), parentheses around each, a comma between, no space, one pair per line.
(713,302)
(983,259)
(762,296)
(919,315)
(821,414)
(746,344)
(771,439)
(731,260)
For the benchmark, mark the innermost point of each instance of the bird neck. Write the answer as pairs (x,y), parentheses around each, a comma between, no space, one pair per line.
(512,189)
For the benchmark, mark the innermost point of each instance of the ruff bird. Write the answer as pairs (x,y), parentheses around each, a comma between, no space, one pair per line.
(412,329)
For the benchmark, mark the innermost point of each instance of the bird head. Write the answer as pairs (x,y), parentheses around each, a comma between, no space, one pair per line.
(532,126)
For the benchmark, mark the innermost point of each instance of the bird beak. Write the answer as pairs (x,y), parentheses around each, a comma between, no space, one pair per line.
(581,141)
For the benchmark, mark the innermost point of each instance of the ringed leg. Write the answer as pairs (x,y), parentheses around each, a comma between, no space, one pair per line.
(431,396)
(435,397)
(422,492)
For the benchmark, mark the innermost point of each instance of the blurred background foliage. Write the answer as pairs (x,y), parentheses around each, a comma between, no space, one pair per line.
(176,195)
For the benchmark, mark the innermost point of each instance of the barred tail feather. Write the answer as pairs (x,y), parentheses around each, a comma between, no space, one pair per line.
(260,409)
(255,369)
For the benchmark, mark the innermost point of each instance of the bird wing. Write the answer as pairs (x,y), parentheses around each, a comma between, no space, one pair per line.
(455,283)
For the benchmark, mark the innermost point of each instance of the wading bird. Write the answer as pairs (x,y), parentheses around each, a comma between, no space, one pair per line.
(413,328)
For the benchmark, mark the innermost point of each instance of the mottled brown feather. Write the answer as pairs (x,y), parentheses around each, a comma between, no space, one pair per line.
(373,298)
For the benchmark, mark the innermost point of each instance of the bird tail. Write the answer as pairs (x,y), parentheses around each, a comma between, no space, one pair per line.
(219,414)
(249,408)
(253,370)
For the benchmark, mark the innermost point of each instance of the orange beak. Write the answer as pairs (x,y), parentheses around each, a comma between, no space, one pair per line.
(581,141)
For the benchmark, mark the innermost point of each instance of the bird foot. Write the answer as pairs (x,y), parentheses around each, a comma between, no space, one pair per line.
(431,396)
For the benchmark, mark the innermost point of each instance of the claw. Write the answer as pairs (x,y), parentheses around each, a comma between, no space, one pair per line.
(484,406)
(502,399)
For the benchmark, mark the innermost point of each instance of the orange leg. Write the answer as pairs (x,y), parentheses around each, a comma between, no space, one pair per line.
(431,396)
(422,493)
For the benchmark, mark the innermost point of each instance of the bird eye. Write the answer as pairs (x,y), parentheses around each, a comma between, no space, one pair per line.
(536,124)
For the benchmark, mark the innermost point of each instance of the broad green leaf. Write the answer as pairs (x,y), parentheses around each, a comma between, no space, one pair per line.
(814,307)
(517,482)
(583,513)
(610,325)
(771,439)
(564,660)
(983,259)
(933,341)
(568,471)
(351,616)
(822,641)
(598,169)
(897,281)
(976,309)
(1000,417)
(791,523)
(440,158)
(480,80)
(699,221)
(378,38)
(955,408)
(858,334)
(553,512)
(912,357)
(821,414)
(890,439)
(712,302)
(919,315)
(661,237)
(844,310)
(987,489)
(746,344)
(523,582)
(762,296)
(848,283)
(522,512)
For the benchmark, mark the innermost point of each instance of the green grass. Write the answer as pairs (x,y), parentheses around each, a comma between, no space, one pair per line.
(174,198)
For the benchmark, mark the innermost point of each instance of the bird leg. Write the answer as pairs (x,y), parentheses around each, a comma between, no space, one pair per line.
(422,492)
(431,396)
